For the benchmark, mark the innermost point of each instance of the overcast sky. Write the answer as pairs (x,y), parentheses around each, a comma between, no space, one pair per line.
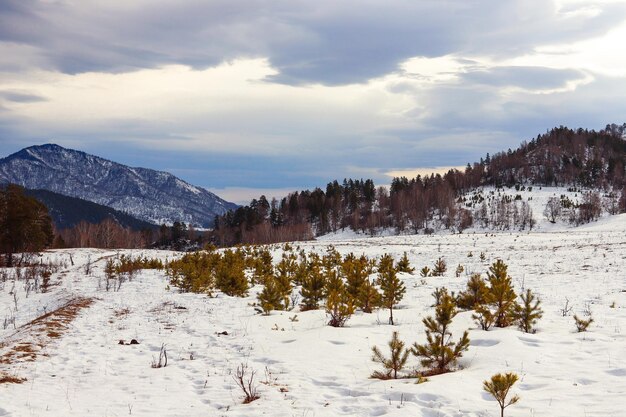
(246,97)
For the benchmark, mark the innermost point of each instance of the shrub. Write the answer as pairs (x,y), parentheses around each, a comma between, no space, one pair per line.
(245,380)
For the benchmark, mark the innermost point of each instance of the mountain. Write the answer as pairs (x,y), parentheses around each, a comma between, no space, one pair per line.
(67,211)
(153,196)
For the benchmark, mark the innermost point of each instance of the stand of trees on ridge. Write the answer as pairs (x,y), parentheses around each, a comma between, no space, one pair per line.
(561,157)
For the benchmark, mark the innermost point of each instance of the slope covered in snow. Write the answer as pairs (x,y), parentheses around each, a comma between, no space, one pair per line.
(154,196)
(306,368)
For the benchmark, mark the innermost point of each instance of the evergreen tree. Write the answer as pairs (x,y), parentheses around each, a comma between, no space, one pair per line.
(483,316)
(356,270)
(499,387)
(396,361)
(440,268)
(230,277)
(529,312)
(25,225)
(392,287)
(474,295)
(312,290)
(263,266)
(369,297)
(425,272)
(582,324)
(501,294)
(270,298)
(440,352)
(338,303)
(404,265)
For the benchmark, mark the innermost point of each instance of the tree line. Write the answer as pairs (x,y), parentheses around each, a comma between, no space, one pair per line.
(562,156)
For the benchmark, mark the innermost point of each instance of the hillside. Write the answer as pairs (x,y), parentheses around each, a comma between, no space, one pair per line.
(67,212)
(590,164)
(153,196)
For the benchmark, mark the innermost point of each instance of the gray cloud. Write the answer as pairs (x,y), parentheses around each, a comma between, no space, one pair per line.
(325,41)
(20,96)
(532,78)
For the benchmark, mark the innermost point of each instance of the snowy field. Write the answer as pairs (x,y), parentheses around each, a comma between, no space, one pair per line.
(306,368)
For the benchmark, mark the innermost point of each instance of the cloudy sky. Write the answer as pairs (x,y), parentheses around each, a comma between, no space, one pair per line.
(251,96)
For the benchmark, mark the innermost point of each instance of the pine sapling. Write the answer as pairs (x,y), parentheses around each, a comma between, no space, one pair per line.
(475,293)
(499,387)
(368,297)
(439,352)
(392,287)
(395,363)
(338,303)
(270,298)
(501,294)
(440,268)
(483,316)
(404,265)
(582,324)
(312,290)
(425,272)
(529,313)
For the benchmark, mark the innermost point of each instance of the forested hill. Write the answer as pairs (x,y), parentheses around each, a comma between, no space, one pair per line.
(584,159)
(560,157)
(67,212)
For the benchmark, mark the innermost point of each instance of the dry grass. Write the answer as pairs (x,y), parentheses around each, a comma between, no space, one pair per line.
(41,332)
(10,379)
(121,312)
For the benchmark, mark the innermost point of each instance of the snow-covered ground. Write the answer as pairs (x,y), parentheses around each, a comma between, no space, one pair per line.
(305,368)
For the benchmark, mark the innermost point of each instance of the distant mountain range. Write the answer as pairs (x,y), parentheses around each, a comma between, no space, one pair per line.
(67,212)
(153,196)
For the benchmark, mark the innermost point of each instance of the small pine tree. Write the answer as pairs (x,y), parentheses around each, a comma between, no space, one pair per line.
(109,273)
(582,324)
(312,290)
(459,270)
(425,272)
(529,313)
(439,352)
(483,257)
(369,297)
(262,266)
(230,277)
(499,387)
(501,294)
(270,298)
(283,281)
(396,361)
(356,270)
(440,268)
(392,287)
(475,293)
(404,265)
(483,316)
(338,303)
